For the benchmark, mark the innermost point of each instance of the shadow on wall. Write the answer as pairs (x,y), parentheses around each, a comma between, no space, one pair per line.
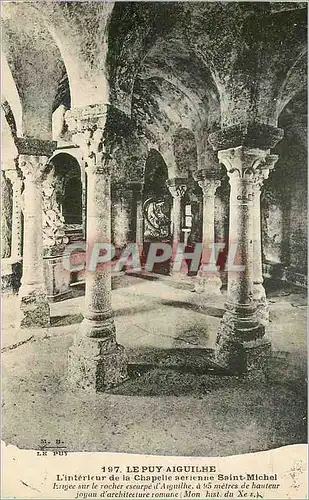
(284,198)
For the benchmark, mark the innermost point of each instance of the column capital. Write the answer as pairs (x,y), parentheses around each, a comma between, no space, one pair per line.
(207,180)
(86,118)
(263,170)
(177,186)
(254,135)
(88,126)
(33,167)
(246,163)
(13,176)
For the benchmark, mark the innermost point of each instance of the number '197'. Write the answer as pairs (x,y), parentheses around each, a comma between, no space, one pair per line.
(110,468)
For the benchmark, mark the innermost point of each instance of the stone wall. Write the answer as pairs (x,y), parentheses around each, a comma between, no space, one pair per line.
(284,202)
(299,227)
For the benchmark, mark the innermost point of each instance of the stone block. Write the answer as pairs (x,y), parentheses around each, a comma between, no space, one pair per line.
(11,272)
(248,358)
(57,279)
(96,365)
(35,312)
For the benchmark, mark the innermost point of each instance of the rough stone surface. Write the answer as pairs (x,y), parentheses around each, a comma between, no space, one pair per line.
(208,284)
(262,311)
(11,273)
(160,407)
(6,217)
(34,311)
(244,357)
(96,365)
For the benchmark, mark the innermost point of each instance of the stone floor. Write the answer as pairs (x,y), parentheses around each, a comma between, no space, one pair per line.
(174,403)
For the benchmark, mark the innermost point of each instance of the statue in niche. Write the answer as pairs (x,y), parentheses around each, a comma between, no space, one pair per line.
(53,221)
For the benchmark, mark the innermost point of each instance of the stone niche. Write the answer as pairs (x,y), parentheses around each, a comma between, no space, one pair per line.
(63,223)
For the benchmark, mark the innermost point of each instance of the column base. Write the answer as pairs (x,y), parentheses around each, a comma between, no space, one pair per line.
(34,310)
(11,272)
(262,312)
(96,365)
(100,328)
(259,298)
(208,284)
(241,345)
(245,358)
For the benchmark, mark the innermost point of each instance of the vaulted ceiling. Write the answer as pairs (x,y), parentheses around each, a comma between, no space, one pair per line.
(167,66)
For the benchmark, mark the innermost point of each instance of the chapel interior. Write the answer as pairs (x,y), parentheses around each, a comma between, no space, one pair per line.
(142,123)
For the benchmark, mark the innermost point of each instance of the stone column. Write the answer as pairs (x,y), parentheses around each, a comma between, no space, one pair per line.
(244,151)
(139,233)
(84,196)
(33,299)
(208,279)
(177,187)
(121,208)
(259,295)
(16,243)
(6,216)
(240,343)
(96,361)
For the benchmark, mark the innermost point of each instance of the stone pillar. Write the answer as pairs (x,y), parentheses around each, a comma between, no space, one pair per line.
(96,361)
(84,197)
(177,187)
(139,233)
(6,215)
(259,295)
(16,243)
(244,151)
(241,343)
(34,306)
(121,208)
(208,279)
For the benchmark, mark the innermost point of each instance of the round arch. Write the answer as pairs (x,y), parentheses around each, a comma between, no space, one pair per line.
(69,189)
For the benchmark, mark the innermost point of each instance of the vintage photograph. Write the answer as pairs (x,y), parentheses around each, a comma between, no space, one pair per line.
(154,228)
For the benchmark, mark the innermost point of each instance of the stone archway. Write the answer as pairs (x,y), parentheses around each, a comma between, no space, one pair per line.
(70,192)
(156,205)
(63,221)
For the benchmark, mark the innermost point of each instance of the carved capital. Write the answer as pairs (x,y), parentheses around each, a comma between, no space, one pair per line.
(208,181)
(242,163)
(177,187)
(265,167)
(85,118)
(14,178)
(33,167)
(269,164)
(88,126)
